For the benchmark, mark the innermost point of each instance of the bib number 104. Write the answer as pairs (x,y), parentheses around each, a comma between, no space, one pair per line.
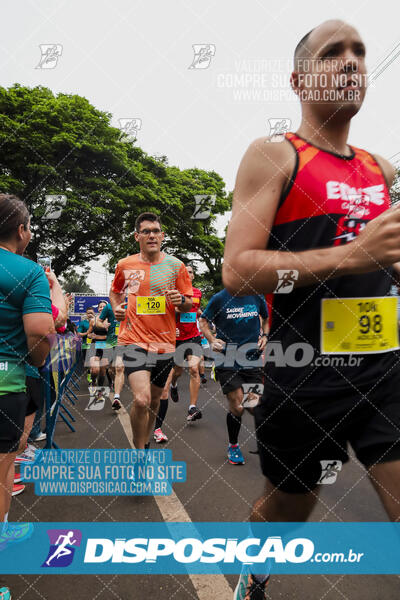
(369,321)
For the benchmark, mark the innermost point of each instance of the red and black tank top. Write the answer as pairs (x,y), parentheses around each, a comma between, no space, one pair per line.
(329,200)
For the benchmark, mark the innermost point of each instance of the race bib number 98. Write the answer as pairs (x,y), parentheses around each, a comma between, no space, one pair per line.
(359,325)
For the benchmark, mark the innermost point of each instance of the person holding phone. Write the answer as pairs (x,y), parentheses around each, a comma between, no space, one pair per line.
(32,433)
(26,327)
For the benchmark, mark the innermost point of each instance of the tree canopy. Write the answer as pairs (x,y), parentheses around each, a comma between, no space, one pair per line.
(61,144)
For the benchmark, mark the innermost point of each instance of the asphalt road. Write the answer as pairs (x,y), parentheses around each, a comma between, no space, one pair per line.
(214,491)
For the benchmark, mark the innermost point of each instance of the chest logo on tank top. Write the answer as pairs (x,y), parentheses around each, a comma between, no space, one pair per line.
(356,202)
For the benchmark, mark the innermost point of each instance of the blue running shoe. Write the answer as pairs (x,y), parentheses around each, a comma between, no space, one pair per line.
(5,593)
(14,533)
(235,455)
(250,589)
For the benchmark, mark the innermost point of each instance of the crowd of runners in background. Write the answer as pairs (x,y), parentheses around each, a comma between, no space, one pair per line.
(152,328)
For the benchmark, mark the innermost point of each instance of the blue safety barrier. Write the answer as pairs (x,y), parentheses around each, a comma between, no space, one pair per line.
(61,372)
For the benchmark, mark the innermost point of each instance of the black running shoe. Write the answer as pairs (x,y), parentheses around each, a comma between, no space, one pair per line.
(174,393)
(193,414)
(203,379)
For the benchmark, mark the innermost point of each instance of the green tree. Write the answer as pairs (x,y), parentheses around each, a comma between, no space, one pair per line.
(61,144)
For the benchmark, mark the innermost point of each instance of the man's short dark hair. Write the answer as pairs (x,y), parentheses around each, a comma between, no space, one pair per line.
(147,216)
(13,213)
(302,50)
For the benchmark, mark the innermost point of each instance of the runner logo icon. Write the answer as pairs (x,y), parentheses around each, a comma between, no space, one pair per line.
(130,126)
(204,203)
(278,128)
(54,206)
(252,393)
(97,398)
(329,471)
(203,54)
(62,547)
(286,280)
(50,53)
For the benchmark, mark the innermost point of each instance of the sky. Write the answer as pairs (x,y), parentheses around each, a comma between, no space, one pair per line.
(132,59)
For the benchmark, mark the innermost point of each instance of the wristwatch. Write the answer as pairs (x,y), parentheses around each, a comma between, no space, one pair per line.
(264,335)
(183,299)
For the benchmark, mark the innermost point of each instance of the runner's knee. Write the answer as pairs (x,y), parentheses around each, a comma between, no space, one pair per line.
(177,372)
(142,401)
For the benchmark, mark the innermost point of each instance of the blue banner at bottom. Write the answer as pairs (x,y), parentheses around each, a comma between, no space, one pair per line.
(203,548)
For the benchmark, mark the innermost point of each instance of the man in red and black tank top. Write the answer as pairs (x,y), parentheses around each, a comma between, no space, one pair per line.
(188,348)
(312,228)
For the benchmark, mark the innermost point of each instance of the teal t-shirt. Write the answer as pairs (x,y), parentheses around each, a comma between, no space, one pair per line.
(107,313)
(24,289)
(83,327)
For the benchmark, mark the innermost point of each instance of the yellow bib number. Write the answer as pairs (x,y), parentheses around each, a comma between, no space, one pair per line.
(359,325)
(150,305)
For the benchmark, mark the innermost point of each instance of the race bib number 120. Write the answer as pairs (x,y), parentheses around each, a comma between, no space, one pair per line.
(150,305)
(359,325)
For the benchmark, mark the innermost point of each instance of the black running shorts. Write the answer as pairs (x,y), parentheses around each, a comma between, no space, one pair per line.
(294,435)
(138,359)
(231,379)
(185,348)
(12,419)
(35,394)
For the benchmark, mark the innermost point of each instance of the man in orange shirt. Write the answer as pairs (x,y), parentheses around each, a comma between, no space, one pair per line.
(155,283)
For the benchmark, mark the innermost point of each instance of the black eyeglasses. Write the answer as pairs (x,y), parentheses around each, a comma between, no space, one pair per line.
(149,231)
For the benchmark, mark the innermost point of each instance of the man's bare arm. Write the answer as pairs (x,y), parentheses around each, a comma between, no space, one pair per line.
(118,305)
(186,306)
(115,299)
(205,330)
(215,343)
(265,325)
(249,268)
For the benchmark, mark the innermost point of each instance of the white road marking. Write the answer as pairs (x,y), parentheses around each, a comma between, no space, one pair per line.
(172,510)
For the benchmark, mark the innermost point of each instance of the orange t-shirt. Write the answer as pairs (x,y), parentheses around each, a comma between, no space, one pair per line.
(134,277)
